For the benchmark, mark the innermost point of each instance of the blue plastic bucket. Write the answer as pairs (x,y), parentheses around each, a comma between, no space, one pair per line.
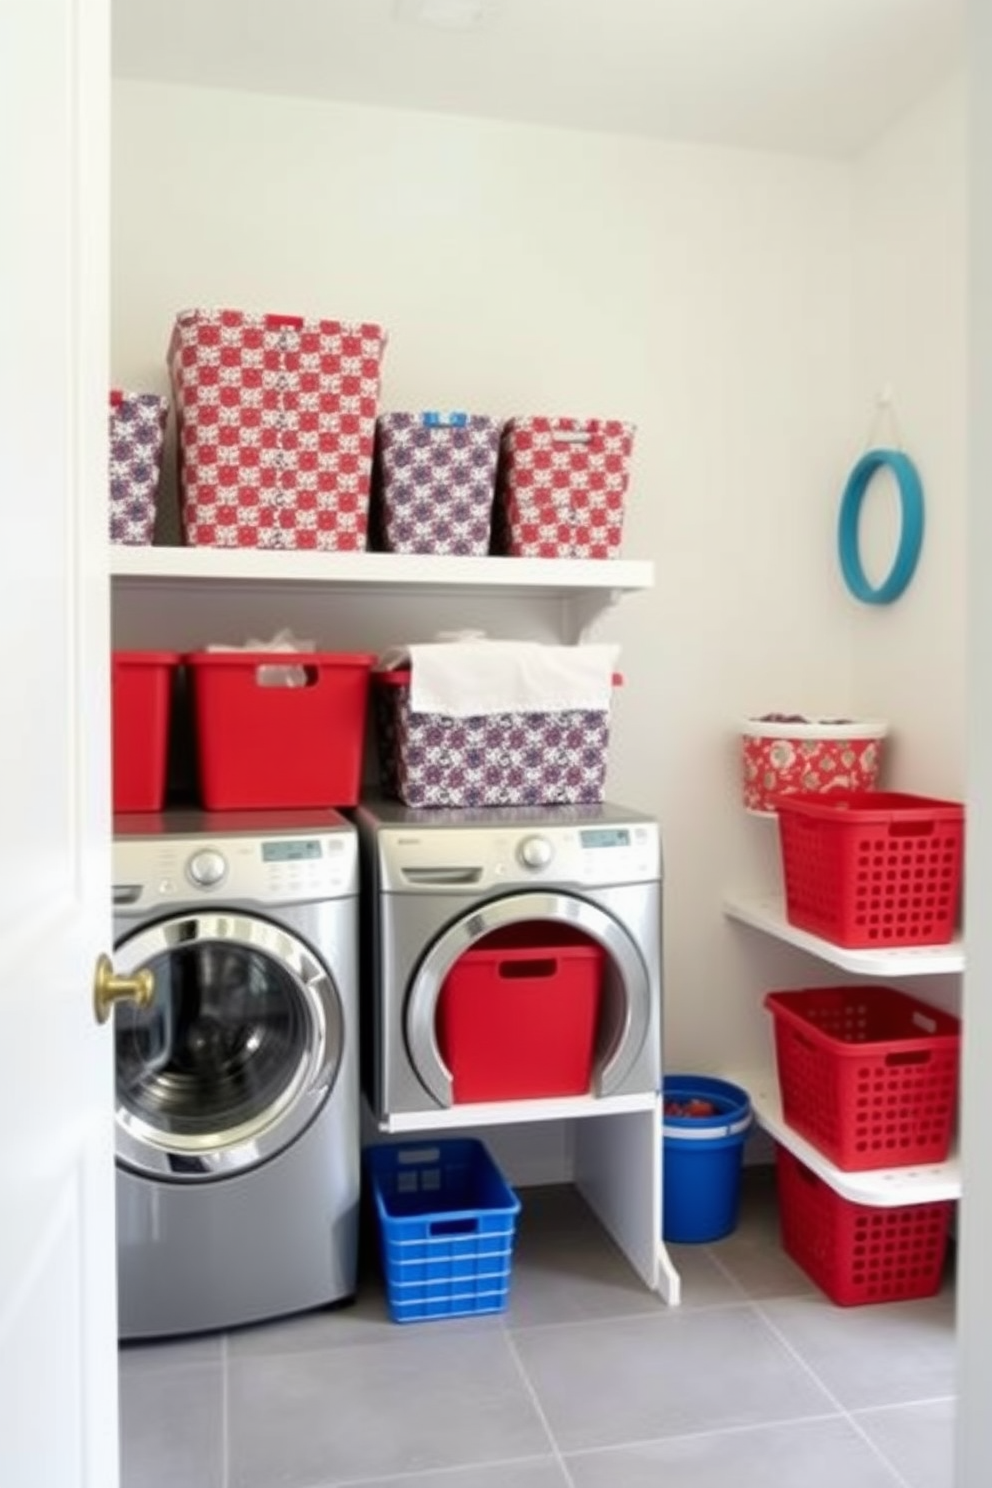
(702,1157)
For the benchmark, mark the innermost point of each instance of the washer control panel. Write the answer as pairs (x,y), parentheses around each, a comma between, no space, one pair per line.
(429,859)
(277,868)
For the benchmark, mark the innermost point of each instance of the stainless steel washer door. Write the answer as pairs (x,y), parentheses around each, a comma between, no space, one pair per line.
(236,1054)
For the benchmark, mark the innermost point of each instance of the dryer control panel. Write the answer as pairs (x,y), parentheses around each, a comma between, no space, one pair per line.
(426,859)
(275,868)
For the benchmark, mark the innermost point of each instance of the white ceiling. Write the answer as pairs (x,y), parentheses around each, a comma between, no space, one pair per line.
(809,76)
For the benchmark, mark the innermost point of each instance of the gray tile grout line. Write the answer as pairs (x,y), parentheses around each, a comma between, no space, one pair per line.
(535,1401)
(772,1424)
(876,1451)
(225,1415)
(434,1472)
(725,1269)
(638,1316)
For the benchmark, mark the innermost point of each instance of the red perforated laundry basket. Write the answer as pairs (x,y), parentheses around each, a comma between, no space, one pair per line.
(859,1253)
(276,419)
(871,869)
(517,1014)
(868,1074)
(264,745)
(562,484)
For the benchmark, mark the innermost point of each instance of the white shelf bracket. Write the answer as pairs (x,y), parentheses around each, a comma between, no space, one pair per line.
(581,612)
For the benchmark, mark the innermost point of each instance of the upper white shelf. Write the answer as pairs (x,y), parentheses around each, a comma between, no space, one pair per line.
(768,915)
(180,566)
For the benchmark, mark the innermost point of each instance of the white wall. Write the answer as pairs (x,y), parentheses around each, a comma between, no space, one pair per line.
(703,293)
(910,328)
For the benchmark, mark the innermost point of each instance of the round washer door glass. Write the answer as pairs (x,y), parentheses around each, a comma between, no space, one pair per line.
(236,1054)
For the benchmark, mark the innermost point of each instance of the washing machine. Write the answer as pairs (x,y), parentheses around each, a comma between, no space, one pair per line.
(440,882)
(237,1089)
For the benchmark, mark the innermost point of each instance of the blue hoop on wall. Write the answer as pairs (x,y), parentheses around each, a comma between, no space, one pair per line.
(910,537)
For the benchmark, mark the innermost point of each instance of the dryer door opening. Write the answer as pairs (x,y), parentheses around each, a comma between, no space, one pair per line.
(603,1002)
(237,1053)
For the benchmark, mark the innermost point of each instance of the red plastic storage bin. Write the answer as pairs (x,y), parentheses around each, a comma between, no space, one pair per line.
(141,696)
(858,1253)
(261,745)
(517,1014)
(871,869)
(869,1075)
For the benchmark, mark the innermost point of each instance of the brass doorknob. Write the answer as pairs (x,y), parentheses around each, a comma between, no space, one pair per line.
(109,988)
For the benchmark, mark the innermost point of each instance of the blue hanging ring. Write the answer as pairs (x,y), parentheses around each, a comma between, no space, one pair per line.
(910,538)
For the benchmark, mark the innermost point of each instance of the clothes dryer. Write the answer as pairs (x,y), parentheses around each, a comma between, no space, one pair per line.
(237,1118)
(440,882)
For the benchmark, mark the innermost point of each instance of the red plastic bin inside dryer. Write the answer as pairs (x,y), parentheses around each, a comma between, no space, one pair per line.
(517,1014)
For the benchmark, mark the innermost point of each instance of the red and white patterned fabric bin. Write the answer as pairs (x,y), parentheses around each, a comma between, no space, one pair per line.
(501,759)
(276,427)
(434,482)
(137,433)
(562,487)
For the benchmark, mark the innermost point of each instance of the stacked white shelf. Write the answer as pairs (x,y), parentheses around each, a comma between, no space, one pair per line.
(881,1187)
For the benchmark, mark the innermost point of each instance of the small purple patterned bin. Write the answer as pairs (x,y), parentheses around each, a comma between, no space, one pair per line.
(434,482)
(137,432)
(502,759)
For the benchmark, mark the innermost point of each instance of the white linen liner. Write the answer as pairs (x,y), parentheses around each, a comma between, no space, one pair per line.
(477,678)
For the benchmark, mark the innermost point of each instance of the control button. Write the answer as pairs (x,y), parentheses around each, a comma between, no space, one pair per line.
(206,869)
(535,852)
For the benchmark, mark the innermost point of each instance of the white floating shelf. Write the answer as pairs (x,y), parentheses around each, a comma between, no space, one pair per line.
(768,915)
(883,1188)
(550,576)
(515,1113)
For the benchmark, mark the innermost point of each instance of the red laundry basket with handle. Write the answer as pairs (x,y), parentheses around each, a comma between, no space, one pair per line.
(264,744)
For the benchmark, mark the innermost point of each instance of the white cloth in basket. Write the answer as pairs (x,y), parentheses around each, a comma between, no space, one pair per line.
(469,679)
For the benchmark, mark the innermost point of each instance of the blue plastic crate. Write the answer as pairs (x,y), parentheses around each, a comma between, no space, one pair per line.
(447,1225)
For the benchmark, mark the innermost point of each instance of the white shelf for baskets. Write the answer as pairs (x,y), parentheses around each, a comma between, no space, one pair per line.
(882,1188)
(768,915)
(371,571)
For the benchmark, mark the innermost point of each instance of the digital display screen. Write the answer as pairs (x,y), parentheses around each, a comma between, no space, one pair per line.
(604,837)
(294,851)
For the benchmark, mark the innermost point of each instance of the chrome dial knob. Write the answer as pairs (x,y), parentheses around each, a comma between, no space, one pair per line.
(535,852)
(206,869)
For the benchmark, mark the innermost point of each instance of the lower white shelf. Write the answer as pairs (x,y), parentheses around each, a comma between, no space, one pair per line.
(882,1188)
(616,1164)
(514,1113)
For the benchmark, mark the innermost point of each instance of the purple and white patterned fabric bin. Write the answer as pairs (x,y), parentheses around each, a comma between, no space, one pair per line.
(500,759)
(434,482)
(137,433)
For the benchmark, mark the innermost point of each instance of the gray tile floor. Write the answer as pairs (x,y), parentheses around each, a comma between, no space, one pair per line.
(587,1381)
